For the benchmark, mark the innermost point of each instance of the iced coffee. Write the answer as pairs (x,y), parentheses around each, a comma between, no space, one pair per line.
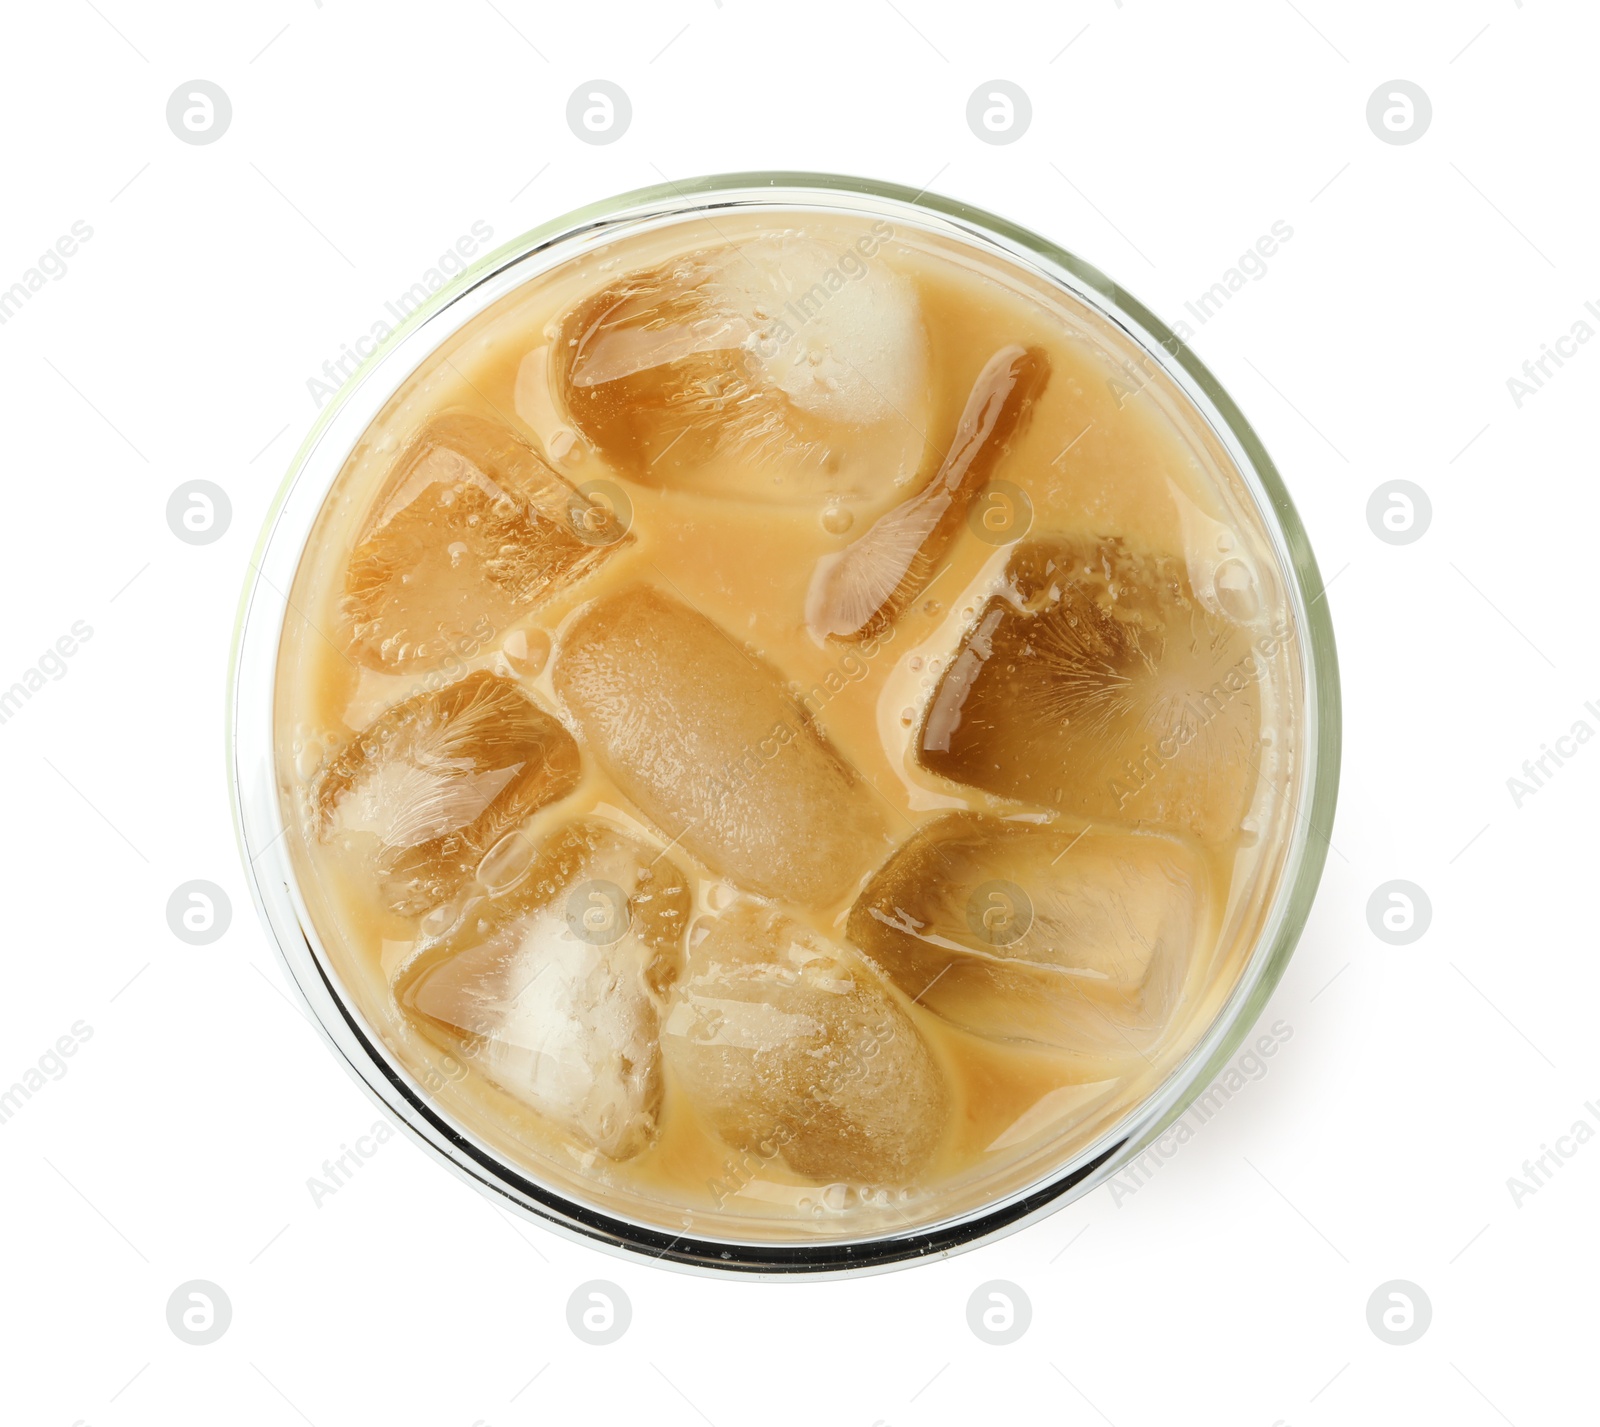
(784,722)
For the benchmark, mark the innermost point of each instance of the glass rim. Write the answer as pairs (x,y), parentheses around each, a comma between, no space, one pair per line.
(260,828)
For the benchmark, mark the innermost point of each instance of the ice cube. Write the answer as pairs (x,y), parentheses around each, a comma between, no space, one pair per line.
(780,369)
(1076,938)
(788,1046)
(470,531)
(1096,683)
(551,988)
(702,735)
(432,783)
(859,591)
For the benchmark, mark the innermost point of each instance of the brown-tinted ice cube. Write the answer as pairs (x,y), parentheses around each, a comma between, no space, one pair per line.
(432,783)
(788,1046)
(780,369)
(1098,684)
(704,738)
(551,989)
(861,590)
(1079,939)
(471,530)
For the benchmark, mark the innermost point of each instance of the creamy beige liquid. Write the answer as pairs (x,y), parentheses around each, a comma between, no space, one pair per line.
(1110,449)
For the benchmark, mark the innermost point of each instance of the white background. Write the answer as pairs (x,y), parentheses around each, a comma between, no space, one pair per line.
(1166,138)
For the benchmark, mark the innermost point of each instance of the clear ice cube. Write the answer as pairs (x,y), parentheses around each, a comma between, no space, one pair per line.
(471,530)
(780,369)
(551,989)
(705,739)
(435,781)
(1079,939)
(1097,684)
(862,589)
(789,1047)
